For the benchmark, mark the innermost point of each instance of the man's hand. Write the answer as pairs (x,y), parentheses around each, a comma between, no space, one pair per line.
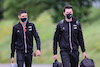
(55,57)
(84,55)
(12,60)
(38,53)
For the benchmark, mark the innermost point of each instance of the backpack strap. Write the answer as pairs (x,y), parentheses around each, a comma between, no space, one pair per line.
(61,23)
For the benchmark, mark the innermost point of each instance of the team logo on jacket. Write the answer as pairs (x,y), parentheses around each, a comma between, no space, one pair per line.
(63,28)
(17,30)
(75,26)
(30,28)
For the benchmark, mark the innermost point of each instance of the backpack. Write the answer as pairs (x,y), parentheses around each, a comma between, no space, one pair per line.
(87,63)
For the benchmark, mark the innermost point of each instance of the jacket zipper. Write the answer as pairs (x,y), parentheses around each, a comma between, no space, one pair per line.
(70,42)
(25,38)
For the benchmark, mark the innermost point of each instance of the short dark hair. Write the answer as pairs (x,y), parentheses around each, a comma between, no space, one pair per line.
(21,11)
(67,7)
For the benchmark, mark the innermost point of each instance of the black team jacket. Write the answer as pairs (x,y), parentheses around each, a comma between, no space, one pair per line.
(18,38)
(69,36)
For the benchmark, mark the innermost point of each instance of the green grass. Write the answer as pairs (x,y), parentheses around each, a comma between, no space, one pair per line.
(46,28)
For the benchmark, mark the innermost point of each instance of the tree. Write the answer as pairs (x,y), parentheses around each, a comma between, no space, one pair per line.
(1,9)
(80,7)
(35,7)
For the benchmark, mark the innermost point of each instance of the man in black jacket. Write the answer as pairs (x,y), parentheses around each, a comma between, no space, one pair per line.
(22,40)
(69,35)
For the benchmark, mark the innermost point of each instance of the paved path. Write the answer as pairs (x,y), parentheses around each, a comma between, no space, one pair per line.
(34,65)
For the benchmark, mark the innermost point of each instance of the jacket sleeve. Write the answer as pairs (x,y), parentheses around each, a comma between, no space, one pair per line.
(13,42)
(55,39)
(80,38)
(35,34)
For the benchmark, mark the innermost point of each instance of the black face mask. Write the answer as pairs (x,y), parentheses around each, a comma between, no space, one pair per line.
(69,16)
(24,19)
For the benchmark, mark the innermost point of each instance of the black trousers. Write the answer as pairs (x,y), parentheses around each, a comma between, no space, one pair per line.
(70,59)
(24,57)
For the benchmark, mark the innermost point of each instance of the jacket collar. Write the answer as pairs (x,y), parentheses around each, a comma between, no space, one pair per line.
(22,26)
(26,23)
(74,19)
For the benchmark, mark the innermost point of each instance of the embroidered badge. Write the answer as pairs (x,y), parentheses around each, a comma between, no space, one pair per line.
(63,28)
(29,26)
(17,30)
(30,29)
(75,26)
